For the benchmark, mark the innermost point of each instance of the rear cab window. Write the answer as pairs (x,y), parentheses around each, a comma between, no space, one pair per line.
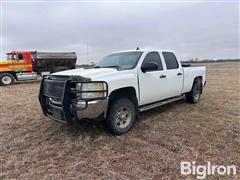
(170,60)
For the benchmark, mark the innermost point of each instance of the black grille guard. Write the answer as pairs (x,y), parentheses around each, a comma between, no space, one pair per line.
(68,97)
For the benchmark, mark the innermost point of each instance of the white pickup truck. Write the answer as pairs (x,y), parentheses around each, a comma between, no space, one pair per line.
(119,87)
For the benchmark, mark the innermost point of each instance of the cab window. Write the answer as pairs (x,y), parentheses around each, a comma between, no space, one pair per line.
(14,57)
(20,57)
(170,60)
(153,57)
(9,56)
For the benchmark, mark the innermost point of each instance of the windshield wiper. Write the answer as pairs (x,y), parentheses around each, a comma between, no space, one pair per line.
(117,67)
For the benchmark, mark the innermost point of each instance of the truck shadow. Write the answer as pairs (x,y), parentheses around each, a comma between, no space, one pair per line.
(94,128)
(27,82)
(85,127)
(22,83)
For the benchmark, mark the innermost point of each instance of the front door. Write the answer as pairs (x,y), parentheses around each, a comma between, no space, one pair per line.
(152,83)
(18,64)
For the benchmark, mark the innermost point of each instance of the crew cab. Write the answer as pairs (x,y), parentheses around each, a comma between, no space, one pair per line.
(120,86)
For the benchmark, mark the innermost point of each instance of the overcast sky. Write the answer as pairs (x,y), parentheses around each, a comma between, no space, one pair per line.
(193,29)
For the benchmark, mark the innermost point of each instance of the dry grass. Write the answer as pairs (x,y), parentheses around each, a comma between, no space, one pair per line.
(35,147)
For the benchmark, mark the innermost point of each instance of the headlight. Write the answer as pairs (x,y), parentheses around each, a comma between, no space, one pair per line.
(91,87)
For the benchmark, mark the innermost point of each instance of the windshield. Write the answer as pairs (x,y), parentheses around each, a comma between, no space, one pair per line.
(9,56)
(123,60)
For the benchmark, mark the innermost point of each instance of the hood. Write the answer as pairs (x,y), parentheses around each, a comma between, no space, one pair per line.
(94,74)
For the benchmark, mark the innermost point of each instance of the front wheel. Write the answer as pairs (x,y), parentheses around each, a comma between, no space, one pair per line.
(194,95)
(6,79)
(121,116)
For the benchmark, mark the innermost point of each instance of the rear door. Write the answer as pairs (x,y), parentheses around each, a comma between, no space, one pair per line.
(152,83)
(174,74)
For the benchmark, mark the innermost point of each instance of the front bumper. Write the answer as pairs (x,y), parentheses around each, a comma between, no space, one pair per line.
(93,109)
(66,108)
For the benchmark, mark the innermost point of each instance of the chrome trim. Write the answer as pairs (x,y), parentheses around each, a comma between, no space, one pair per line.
(55,102)
(93,110)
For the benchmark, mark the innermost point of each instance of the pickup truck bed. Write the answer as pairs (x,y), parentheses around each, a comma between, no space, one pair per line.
(189,74)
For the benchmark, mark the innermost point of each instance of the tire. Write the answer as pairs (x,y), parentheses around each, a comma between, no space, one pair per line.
(194,95)
(6,79)
(121,116)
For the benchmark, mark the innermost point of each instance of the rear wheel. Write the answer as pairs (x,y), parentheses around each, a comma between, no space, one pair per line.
(194,95)
(6,79)
(121,116)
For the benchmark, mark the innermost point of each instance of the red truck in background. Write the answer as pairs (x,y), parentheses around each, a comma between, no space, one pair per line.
(27,65)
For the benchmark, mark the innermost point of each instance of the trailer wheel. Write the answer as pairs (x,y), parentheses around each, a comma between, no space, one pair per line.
(6,79)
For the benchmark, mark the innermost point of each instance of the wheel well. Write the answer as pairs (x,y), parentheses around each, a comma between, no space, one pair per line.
(199,78)
(126,92)
(12,73)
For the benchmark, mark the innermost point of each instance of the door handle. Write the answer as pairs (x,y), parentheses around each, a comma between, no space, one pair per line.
(179,74)
(163,76)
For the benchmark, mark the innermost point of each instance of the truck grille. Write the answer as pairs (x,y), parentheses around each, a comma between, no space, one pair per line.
(56,96)
(54,88)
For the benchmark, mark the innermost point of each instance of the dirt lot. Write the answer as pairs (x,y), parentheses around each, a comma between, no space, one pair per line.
(35,147)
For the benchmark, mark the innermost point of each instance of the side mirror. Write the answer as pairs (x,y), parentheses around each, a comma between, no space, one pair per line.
(150,66)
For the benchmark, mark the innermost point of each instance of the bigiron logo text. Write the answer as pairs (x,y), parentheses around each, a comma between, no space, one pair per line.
(202,171)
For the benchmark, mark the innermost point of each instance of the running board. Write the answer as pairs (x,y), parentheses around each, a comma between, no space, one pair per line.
(160,103)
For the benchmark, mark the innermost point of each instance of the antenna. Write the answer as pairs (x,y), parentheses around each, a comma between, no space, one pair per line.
(137,48)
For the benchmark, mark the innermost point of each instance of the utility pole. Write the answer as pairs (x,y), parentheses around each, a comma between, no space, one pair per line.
(87,54)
